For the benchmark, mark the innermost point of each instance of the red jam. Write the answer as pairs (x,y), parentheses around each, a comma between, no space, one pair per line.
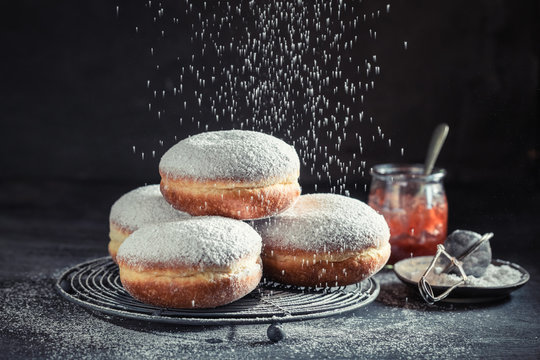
(417,217)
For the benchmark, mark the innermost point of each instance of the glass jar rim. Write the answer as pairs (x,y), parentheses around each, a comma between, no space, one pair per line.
(406,172)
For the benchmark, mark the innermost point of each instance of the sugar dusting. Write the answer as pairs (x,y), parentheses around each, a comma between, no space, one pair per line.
(397,325)
(303,71)
(494,276)
(232,154)
(143,206)
(204,240)
(325,222)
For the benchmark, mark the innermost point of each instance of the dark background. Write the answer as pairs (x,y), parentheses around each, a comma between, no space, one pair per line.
(74,100)
(74,96)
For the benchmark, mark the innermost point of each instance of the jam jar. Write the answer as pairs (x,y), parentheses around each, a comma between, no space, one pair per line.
(414,206)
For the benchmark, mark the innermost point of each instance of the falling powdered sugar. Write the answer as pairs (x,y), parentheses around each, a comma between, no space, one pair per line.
(143,206)
(325,222)
(200,241)
(231,155)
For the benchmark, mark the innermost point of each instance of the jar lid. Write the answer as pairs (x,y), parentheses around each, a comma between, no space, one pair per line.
(406,172)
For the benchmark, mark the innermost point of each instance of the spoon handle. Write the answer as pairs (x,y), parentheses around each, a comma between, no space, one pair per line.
(435,145)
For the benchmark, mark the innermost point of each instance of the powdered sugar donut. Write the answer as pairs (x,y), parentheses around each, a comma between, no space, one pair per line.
(139,207)
(200,262)
(233,173)
(324,240)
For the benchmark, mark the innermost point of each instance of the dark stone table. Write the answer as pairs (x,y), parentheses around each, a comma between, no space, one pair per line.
(46,228)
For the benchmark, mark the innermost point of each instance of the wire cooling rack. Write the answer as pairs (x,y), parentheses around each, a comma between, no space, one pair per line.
(96,285)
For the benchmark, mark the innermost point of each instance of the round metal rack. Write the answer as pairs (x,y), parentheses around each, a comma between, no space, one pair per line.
(96,285)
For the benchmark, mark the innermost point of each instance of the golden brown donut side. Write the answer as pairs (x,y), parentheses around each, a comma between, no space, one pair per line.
(303,268)
(117,235)
(229,199)
(172,288)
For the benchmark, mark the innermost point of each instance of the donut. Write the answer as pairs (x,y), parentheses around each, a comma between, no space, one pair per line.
(234,173)
(201,262)
(324,240)
(139,207)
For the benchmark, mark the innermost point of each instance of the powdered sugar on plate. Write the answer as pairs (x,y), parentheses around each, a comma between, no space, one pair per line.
(239,155)
(203,241)
(496,275)
(143,206)
(325,222)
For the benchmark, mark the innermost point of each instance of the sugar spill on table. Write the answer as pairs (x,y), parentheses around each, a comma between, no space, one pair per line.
(301,71)
(70,332)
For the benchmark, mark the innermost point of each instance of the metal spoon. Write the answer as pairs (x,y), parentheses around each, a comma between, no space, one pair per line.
(437,140)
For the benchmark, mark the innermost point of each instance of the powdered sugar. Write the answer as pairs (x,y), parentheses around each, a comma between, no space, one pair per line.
(203,241)
(143,206)
(325,222)
(231,155)
(495,276)
(36,322)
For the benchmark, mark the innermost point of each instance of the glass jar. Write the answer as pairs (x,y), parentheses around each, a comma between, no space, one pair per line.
(414,206)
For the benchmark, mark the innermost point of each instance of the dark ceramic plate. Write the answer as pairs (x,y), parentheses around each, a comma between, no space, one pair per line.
(461,294)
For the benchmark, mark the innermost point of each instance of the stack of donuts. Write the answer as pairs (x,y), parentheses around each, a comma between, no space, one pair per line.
(227,212)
